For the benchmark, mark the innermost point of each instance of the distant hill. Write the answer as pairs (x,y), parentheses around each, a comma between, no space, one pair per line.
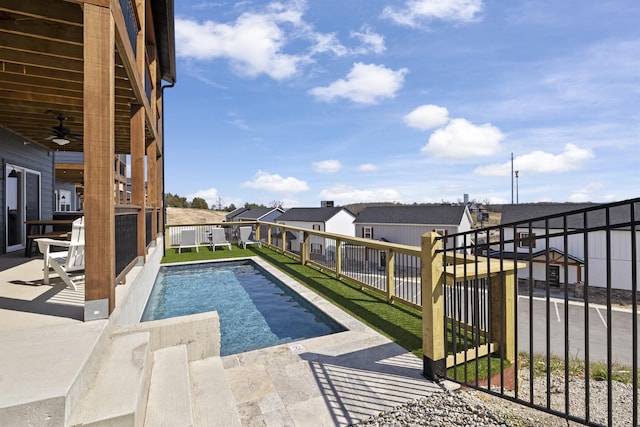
(178,216)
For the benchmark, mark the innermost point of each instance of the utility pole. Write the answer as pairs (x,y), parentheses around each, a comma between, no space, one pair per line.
(517,192)
(511,178)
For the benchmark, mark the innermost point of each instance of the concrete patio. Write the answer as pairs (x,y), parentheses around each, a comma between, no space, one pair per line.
(49,358)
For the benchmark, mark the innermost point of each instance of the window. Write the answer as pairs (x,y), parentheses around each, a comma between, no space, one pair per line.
(316,248)
(441,231)
(367,232)
(526,240)
(316,227)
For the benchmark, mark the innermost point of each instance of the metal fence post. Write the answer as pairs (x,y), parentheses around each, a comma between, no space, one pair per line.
(338,258)
(433,345)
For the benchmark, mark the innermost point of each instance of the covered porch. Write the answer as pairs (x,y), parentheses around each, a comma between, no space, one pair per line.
(83,76)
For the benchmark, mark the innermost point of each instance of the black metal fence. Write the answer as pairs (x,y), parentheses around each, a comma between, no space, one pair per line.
(573,314)
(126,230)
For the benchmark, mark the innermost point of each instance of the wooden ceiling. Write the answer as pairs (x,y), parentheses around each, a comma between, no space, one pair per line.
(41,73)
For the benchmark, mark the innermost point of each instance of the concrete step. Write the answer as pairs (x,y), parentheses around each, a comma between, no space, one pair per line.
(117,395)
(213,402)
(44,370)
(169,403)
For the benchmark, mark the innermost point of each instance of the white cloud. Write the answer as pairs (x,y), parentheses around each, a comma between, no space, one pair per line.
(327,166)
(255,42)
(572,158)
(365,83)
(427,117)
(371,41)
(275,183)
(367,167)
(462,139)
(212,197)
(341,194)
(586,193)
(415,11)
(328,43)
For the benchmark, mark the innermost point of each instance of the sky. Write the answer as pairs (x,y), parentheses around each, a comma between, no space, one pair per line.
(408,101)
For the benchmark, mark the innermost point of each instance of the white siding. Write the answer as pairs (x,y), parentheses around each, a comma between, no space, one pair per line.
(620,256)
(341,223)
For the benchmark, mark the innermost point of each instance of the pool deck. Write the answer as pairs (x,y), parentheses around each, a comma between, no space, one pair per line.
(338,379)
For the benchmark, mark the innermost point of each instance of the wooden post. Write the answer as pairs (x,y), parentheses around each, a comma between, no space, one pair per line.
(284,240)
(503,313)
(154,190)
(269,235)
(433,339)
(304,248)
(99,175)
(390,267)
(137,175)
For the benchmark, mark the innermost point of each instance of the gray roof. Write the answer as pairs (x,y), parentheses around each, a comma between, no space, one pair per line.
(413,214)
(231,215)
(311,214)
(254,214)
(575,213)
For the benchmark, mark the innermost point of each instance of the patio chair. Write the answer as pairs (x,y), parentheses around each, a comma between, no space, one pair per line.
(217,238)
(188,240)
(67,261)
(246,238)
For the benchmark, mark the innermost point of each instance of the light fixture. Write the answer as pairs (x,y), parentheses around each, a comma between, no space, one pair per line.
(13,174)
(61,140)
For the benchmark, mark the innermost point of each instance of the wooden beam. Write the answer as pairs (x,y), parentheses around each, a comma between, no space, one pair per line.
(153,180)
(137,174)
(99,134)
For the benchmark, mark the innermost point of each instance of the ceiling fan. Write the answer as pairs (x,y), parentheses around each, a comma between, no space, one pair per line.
(62,135)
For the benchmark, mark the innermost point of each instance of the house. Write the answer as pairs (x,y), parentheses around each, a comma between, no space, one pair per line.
(336,220)
(529,235)
(231,216)
(405,224)
(258,214)
(86,77)
(253,214)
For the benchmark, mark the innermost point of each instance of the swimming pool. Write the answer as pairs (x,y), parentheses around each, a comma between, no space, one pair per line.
(255,309)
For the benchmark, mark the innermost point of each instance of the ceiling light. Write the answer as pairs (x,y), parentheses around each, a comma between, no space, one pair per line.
(61,141)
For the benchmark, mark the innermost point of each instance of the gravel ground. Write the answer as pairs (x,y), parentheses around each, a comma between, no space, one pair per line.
(468,407)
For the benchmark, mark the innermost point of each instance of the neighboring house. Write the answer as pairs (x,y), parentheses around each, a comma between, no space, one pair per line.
(259,214)
(531,240)
(405,224)
(334,220)
(231,216)
(254,214)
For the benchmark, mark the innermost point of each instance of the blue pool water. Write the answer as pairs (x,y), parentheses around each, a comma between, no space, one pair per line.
(256,310)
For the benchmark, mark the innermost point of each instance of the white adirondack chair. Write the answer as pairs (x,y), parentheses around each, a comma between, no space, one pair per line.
(67,262)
